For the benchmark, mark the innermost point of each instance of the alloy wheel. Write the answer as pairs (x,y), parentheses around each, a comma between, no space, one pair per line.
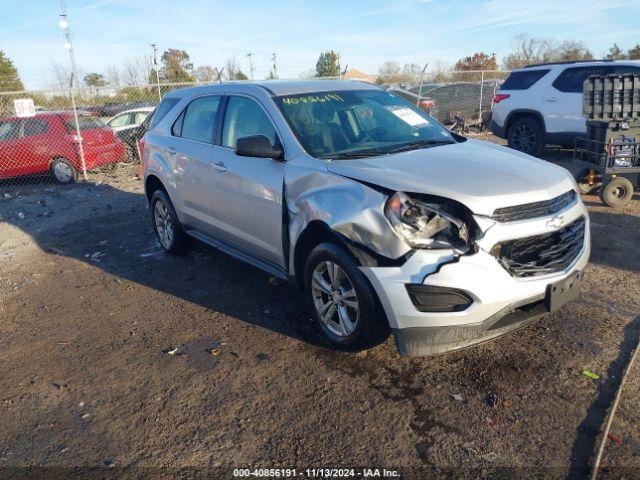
(524,138)
(164,225)
(335,298)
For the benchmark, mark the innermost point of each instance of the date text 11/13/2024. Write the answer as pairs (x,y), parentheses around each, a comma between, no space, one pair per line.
(317,473)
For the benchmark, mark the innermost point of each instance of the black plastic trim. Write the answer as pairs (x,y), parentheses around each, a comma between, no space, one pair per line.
(432,298)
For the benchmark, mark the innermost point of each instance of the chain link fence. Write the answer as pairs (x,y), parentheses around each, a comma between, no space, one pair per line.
(45,141)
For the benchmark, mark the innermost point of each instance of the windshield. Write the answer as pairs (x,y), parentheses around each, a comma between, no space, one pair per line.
(359,123)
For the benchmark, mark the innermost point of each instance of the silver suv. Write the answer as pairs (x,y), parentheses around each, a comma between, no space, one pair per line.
(381,216)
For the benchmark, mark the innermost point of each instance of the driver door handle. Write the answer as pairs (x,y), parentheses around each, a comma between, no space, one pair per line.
(551,99)
(218,165)
(171,150)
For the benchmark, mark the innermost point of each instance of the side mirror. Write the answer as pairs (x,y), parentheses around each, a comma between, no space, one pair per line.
(257,146)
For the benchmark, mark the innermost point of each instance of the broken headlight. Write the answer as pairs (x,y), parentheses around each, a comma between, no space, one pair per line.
(426,225)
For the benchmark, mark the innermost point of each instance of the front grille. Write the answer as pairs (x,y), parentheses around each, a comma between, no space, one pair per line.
(542,254)
(534,210)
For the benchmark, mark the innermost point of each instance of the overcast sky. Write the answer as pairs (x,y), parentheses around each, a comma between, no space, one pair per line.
(365,33)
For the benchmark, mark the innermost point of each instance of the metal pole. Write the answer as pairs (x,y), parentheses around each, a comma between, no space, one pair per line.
(251,68)
(219,72)
(64,24)
(481,90)
(420,88)
(155,64)
(344,72)
(275,65)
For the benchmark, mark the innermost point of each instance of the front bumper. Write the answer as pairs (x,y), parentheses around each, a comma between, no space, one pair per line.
(501,302)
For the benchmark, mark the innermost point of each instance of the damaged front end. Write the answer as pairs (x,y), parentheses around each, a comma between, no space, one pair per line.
(378,225)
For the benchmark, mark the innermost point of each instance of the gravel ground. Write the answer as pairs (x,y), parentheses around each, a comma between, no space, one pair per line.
(119,360)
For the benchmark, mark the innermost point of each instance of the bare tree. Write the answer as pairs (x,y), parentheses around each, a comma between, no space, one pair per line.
(136,70)
(389,68)
(390,72)
(205,74)
(61,76)
(441,72)
(412,70)
(528,50)
(113,76)
(233,71)
(571,50)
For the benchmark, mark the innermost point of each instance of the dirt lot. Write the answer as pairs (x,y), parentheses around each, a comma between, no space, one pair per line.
(90,309)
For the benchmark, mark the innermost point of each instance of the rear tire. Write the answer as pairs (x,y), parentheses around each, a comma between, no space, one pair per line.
(526,135)
(617,193)
(130,155)
(62,171)
(166,224)
(341,300)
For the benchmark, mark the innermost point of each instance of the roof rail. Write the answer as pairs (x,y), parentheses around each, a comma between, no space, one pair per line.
(567,62)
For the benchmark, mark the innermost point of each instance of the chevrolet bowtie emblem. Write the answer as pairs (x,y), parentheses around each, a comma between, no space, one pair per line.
(555,222)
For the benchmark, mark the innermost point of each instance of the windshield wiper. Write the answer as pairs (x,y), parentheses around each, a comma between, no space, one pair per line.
(419,144)
(338,156)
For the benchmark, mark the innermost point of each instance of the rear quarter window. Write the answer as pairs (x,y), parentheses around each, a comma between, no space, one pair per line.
(572,79)
(165,106)
(523,80)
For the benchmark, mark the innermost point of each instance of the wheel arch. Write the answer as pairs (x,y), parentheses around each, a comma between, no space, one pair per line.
(524,113)
(151,184)
(317,232)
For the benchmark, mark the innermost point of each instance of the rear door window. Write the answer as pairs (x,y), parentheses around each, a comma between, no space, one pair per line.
(199,120)
(572,79)
(165,107)
(35,126)
(523,80)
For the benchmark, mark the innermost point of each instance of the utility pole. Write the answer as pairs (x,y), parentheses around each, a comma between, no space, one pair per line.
(64,25)
(251,67)
(275,65)
(420,88)
(155,67)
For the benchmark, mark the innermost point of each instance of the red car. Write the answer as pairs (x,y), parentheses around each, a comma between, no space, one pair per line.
(48,143)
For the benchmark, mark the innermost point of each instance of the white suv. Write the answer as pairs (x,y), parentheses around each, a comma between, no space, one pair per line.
(542,104)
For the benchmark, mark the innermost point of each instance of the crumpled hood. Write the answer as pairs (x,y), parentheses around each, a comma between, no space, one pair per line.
(481,175)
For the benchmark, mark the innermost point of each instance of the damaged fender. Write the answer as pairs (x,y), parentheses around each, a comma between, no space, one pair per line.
(352,209)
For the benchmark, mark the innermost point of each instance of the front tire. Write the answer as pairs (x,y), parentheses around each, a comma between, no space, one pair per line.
(526,135)
(166,224)
(62,171)
(341,300)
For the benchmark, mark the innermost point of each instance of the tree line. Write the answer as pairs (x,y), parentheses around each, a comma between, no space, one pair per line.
(175,66)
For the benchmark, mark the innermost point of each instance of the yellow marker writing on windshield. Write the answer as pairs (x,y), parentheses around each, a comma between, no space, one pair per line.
(329,97)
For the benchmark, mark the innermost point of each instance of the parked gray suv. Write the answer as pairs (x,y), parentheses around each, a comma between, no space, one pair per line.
(383,217)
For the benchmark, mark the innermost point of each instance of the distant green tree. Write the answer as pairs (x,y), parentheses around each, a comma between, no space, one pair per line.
(9,77)
(634,53)
(176,66)
(328,64)
(615,53)
(95,80)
